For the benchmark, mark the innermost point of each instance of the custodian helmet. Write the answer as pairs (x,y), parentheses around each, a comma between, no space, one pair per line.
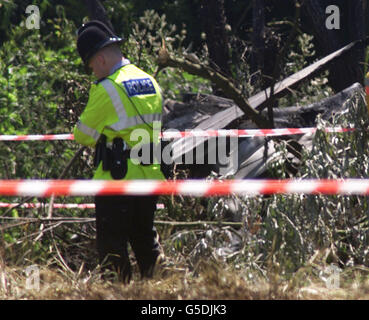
(93,36)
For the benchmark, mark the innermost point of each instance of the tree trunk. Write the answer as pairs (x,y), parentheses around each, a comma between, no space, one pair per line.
(258,41)
(214,24)
(349,69)
(356,28)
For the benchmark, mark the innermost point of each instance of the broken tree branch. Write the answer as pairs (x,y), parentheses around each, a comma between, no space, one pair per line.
(62,175)
(223,82)
(60,220)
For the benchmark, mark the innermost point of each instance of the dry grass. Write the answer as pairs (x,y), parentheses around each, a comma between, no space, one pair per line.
(211,282)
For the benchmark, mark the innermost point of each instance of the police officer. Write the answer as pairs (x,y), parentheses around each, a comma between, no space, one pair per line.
(123,100)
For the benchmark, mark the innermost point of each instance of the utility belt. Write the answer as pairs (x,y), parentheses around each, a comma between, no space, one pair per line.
(114,156)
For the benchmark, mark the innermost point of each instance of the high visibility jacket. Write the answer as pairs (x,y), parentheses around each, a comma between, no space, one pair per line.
(126,100)
(367,90)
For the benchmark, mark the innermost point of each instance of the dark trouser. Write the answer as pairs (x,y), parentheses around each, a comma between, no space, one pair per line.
(125,219)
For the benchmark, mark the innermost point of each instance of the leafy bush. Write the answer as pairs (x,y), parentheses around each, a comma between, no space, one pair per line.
(148,35)
(43,92)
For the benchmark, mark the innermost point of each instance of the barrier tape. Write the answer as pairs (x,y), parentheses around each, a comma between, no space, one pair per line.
(35,137)
(248,132)
(167,135)
(58,205)
(199,188)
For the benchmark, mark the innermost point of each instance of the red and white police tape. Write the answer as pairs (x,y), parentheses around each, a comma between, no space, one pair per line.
(247,132)
(199,188)
(36,137)
(191,133)
(58,205)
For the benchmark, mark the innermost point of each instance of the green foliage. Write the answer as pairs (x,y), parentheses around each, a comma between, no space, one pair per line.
(41,79)
(142,48)
(295,227)
(298,58)
(34,78)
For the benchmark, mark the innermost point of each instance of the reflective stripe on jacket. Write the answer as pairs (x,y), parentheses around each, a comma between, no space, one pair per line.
(126,100)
